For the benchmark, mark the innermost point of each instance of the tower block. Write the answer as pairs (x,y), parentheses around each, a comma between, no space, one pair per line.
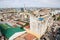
(39,22)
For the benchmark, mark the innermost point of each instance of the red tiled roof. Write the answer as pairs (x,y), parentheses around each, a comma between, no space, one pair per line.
(29,37)
(27,27)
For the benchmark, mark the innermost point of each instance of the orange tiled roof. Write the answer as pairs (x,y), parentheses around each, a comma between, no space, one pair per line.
(25,36)
(29,37)
(27,27)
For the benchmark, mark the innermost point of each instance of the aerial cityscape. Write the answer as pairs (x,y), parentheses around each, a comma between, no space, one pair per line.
(29,23)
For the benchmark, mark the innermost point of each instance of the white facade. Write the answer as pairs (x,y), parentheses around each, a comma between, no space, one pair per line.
(55,12)
(39,27)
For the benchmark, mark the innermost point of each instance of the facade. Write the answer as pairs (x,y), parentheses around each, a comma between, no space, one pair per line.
(39,24)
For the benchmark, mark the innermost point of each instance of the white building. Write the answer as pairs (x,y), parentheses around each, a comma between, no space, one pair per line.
(55,12)
(39,24)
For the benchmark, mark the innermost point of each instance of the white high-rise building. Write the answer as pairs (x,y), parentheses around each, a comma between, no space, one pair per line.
(41,21)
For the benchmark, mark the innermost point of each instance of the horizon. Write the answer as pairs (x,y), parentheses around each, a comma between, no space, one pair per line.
(29,3)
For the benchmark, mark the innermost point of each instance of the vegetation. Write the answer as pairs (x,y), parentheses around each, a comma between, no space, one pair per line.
(53,16)
(58,18)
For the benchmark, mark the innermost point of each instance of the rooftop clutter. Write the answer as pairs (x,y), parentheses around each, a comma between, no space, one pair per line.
(21,18)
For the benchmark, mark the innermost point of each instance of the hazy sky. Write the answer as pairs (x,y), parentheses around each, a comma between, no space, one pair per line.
(29,3)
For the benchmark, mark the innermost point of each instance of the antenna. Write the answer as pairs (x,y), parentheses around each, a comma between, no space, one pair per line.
(24,6)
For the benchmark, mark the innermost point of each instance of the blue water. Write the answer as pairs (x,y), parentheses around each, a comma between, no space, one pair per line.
(40,19)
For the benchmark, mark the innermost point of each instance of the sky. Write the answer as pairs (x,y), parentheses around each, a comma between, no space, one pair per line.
(29,3)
